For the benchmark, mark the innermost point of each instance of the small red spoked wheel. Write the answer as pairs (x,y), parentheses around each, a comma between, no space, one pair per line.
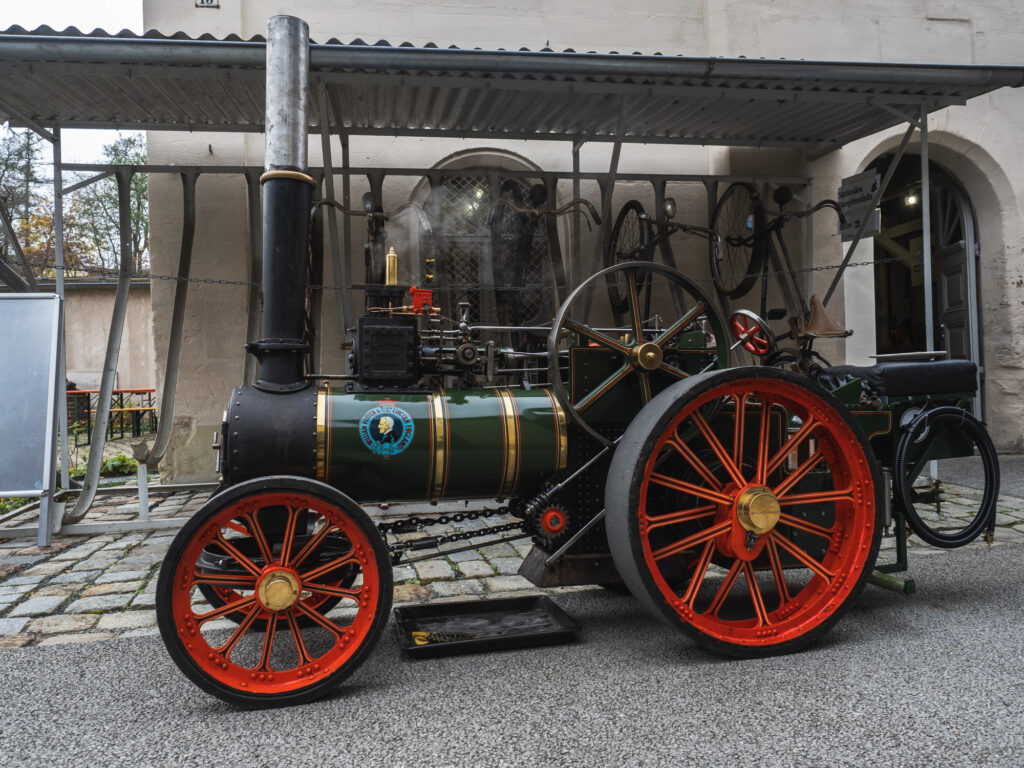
(274,640)
(754,333)
(744,507)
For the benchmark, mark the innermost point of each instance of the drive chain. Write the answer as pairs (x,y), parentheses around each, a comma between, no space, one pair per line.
(412,524)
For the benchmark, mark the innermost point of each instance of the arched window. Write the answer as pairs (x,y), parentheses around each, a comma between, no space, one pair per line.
(487,253)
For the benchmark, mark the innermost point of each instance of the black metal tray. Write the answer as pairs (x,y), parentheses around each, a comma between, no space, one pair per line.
(473,626)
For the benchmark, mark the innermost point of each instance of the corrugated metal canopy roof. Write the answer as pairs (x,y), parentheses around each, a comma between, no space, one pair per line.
(156,82)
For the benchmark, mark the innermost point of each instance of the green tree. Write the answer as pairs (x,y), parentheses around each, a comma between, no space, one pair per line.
(97,220)
(38,239)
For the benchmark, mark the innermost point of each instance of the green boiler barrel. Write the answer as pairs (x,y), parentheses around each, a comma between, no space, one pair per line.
(491,443)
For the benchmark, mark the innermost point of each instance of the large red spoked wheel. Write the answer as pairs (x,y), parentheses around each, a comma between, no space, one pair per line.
(744,507)
(273,639)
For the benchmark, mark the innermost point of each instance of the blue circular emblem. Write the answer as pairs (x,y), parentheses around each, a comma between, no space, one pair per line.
(386,430)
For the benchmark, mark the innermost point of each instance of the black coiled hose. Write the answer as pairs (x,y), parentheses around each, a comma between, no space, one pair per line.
(953,418)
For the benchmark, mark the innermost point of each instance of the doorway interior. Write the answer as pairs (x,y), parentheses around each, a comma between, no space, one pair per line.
(899,269)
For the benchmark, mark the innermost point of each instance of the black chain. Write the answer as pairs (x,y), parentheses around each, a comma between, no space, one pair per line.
(413,524)
(113,273)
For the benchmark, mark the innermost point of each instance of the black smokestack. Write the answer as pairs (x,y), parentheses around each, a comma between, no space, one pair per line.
(287,196)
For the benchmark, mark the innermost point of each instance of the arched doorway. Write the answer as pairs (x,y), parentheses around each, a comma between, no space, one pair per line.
(899,269)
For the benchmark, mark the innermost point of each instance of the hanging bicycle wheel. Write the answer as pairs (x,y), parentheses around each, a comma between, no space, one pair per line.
(960,447)
(739,251)
(744,507)
(629,241)
(289,647)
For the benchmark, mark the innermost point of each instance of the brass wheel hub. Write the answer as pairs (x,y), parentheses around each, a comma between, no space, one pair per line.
(757,509)
(278,590)
(647,355)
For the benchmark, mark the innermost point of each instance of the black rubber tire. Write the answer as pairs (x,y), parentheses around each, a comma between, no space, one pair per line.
(628,242)
(165,586)
(622,502)
(914,439)
(739,252)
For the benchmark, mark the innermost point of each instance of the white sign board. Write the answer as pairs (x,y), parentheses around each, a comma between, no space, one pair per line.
(855,196)
(28,382)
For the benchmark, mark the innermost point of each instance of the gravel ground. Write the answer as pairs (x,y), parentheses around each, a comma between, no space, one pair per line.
(931,679)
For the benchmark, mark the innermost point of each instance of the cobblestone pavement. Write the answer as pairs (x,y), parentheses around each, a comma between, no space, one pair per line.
(89,588)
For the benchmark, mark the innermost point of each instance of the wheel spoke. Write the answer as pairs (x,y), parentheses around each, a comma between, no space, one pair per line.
(224,579)
(724,589)
(603,387)
(804,525)
(698,573)
(690,488)
(691,541)
(351,594)
(673,330)
(755,595)
(778,572)
(289,535)
(312,544)
(820,497)
(738,428)
(333,565)
(243,627)
(224,610)
(682,516)
(596,336)
(645,386)
(634,307)
(261,539)
(718,448)
(241,559)
(268,643)
(684,450)
(799,473)
(762,444)
(802,556)
(791,445)
(300,644)
(323,622)
(671,369)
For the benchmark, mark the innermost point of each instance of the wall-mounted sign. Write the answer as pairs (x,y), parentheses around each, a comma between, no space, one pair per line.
(207,3)
(855,196)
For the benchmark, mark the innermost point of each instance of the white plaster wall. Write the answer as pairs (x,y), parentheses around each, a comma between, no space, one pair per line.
(87,312)
(978,143)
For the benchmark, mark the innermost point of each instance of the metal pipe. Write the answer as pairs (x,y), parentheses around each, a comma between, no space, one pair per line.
(926,234)
(188,230)
(58,269)
(124,279)
(287,62)
(287,197)
(332,212)
(874,203)
(576,263)
(252,305)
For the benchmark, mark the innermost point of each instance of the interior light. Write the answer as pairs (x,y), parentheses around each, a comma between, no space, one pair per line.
(910,200)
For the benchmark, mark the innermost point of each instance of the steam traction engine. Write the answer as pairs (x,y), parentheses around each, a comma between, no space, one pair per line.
(743,506)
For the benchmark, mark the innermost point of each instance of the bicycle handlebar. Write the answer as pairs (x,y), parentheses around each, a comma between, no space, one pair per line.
(538,212)
(785,216)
